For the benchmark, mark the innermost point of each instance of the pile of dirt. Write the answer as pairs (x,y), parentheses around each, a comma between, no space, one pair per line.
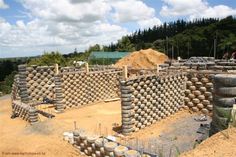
(143,59)
(220,144)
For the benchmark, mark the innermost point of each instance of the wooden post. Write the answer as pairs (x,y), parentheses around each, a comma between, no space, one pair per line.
(56,69)
(158,69)
(125,72)
(86,67)
(215,44)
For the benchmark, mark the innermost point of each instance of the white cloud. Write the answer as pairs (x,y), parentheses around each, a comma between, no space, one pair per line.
(36,36)
(134,10)
(219,11)
(65,24)
(3,5)
(149,23)
(182,7)
(195,9)
(65,10)
(131,10)
(58,26)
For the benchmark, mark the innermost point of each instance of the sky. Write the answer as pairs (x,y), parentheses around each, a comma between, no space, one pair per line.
(31,27)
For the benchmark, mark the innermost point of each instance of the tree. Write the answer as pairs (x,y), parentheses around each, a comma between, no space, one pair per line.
(228,43)
(125,45)
(159,45)
(6,67)
(190,37)
(75,51)
(49,59)
(6,85)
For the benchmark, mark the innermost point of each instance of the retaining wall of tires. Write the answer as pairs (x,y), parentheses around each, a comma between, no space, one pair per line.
(70,87)
(224,65)
(198,93)
(224,98)
(40,82)
(218,65)
(145,100)
(91,68)
(81,88)
(22,84)
(15,88)
(98,146)
(24,111)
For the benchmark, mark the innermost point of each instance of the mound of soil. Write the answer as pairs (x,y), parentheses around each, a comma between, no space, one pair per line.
(222,144)
(143,59)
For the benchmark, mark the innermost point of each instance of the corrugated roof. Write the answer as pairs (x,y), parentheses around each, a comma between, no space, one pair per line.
(111,55)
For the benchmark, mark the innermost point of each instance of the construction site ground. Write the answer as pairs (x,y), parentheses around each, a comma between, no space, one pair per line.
(171,136)
(18,138)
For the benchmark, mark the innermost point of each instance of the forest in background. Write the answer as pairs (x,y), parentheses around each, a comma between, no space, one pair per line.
(187,38)
(184,38)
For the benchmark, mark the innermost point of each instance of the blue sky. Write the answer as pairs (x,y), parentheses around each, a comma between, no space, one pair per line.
(30,27)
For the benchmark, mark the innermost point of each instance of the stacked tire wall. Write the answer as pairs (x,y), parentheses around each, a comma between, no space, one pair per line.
(59,95)
(98,146)
(22,84)
(198,93)
(72,87)
(15,88)
(24,111)
(82,88)
(91,68)
(40,82)
(224,65)
(224,99)
(146,100)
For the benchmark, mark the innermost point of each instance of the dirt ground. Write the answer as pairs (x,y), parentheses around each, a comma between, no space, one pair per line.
(46,138)
(18,138)
(170,136)
(219,145)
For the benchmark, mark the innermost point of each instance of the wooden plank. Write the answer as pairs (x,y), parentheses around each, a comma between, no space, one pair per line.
(113,99)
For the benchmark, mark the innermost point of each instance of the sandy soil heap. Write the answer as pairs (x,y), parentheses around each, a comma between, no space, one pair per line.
(219,145)
(143,59)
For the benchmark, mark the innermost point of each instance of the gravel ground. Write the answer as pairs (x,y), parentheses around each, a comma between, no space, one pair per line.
(182,136)
(169,137)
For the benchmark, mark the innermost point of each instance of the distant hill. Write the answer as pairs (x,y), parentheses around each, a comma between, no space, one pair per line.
(18,58)
(188,38)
